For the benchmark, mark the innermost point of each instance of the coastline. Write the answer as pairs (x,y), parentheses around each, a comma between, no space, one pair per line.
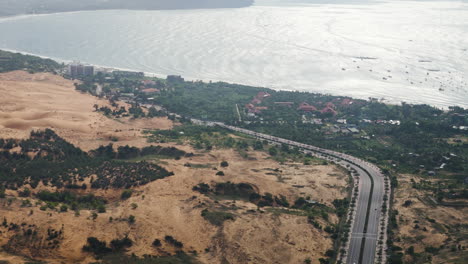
(163,76)
(168,52)
(147,74)
(105,67)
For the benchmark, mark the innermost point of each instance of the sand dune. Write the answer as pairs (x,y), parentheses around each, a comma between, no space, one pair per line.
(43,100)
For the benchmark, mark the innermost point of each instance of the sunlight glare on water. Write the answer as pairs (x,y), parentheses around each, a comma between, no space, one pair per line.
(399,50)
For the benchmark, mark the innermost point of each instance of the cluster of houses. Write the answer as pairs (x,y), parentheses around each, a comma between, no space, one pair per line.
(329,108)
(379,121)
(147,88)
(252,107)
(307,108)
(343,129)
(432,172)
(313,121)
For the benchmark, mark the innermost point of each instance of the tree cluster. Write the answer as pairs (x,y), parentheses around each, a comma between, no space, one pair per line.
(58,163)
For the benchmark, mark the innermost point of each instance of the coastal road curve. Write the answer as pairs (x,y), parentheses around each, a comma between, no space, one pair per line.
(362,246)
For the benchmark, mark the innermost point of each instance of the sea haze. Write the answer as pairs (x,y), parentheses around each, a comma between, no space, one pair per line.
(401,51)
(16,7)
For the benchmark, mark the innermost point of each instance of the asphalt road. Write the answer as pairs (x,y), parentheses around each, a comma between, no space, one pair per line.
(365,229)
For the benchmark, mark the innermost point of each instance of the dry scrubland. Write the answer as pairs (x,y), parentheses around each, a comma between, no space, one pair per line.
(170,207)
(164,207)
(424,224)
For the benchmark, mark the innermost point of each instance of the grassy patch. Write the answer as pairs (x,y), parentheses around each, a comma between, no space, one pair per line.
(217,217)
(460,259)
(150,158)
(179,258)
(199,166)
(279,211)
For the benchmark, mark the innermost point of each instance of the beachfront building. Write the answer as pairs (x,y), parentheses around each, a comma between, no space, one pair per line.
(76,70)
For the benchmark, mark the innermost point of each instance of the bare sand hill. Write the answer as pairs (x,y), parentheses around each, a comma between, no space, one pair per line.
(44,100)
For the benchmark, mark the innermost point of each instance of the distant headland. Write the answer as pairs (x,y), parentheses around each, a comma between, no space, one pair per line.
(11,8)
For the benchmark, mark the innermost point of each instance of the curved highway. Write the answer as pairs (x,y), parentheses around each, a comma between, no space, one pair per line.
(368,217)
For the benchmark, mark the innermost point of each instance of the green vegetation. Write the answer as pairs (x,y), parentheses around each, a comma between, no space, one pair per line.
(241,191)
(157,243)
(87,86)
(57,163)
(130,153)
(420,142)
(247,192)
(179,257)
(75,201)
(135,111)
(215,101)
(416,139)
(15,61)
(421,139)
(216,217)
(278,204)
(172,241)
(406,150)
(405,138)
(126,194)
(444,190)
(96,246)
(100,248)
(26,192)
(200,137)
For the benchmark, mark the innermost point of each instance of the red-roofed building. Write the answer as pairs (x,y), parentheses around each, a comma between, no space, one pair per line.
(331,105)
(307,108)
(328,110)
(256,101)
(150,90)
(284,103)
(148,83)
(255,109)
(346,102)
(258,110)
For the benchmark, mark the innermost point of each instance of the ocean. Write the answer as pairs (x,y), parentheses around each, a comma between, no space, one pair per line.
(398,51)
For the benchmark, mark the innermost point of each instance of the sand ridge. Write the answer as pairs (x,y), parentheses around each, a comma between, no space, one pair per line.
(44,100)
